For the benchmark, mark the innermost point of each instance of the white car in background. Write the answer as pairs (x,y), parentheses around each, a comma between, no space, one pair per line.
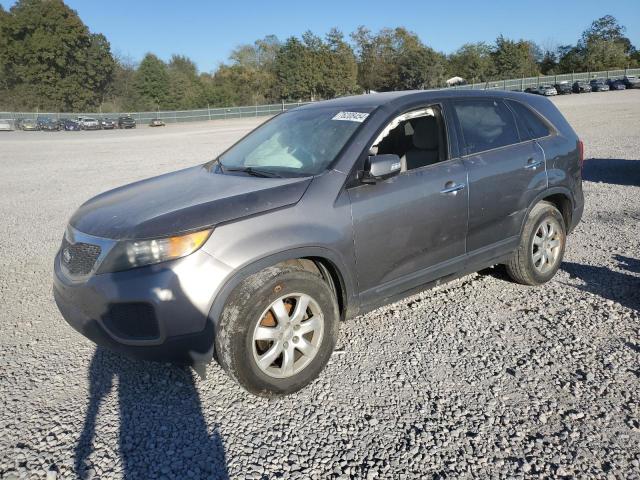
(87,123)
(6,125)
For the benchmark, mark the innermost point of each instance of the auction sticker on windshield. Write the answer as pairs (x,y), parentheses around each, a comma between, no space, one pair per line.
(351,116)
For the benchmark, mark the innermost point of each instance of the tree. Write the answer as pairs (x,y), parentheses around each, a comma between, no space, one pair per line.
(473,62)
(50,60)
(296,70)
(151,84)
(602,46)
(340,70)
(185,88)
(549,63)
(514,59)
(367,60)
(232,85)
(4,16)
(416,66)
(257,62)
(396,60)
(603,54)
(604,28)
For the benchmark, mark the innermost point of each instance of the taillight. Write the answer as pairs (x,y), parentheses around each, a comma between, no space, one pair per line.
(581,154)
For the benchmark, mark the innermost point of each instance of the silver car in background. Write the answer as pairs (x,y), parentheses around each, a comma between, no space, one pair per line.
(6,125)
(88,123)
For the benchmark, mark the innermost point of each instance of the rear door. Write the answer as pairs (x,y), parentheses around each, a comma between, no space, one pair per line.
(506,172)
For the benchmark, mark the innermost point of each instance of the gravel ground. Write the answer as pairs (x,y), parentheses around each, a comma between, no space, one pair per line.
(478,378)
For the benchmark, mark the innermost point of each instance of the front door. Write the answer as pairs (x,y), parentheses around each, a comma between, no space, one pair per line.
(408,228)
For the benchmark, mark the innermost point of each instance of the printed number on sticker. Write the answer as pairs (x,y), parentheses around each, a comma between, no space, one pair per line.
(351,116)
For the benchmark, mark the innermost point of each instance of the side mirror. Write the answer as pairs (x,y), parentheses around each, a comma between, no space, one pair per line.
(381,167)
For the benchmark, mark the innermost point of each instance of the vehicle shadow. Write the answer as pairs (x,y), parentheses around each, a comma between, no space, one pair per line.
(612,170)
(619,287)
(162,431)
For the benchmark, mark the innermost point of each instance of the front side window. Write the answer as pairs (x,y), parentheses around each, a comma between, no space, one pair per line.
(485,124)
(418,137)
(297,143)
(529,124)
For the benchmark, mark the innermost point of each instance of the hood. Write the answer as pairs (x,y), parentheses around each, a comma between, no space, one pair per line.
(182,201)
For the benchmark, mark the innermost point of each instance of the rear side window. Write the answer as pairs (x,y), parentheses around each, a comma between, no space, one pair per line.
(485,124)
(529,124)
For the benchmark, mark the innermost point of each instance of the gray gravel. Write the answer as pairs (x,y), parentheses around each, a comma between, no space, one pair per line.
(478,378)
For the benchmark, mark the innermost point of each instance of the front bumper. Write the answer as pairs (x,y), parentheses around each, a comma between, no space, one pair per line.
(176,295)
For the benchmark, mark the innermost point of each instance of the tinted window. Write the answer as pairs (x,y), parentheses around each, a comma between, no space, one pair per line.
(528,122)
(486,124)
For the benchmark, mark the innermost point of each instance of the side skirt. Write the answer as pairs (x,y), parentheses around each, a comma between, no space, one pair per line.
(437,275)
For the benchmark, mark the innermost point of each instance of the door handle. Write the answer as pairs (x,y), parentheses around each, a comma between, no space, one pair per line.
(532,164)
(451,187)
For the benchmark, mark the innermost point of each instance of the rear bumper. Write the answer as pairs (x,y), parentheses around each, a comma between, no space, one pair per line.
(174,324)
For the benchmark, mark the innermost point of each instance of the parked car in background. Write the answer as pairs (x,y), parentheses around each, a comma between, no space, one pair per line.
(156,122)
(598,86)
(563,88)
(48,124)
(126,122)
(257,256)
(29,124)
(70,125)
(108,123)
(581,87)
(546,90)
(616,84)
(631,81)
(88,123)
(6,125)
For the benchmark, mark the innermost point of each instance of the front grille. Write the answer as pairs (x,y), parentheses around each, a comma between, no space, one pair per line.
(79,258)
(134,321)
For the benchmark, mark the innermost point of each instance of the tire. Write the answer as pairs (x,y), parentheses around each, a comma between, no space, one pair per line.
(527,265)
(255,302)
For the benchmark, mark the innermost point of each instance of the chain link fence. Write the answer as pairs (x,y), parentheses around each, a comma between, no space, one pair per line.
(173,116)
(520,84)
(179,116)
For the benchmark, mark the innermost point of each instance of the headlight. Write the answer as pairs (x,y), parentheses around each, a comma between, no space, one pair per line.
(137,253)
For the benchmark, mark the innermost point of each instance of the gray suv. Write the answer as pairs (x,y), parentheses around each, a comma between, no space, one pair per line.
(320,214)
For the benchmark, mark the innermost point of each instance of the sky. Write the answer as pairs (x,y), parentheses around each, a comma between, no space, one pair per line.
(207,31)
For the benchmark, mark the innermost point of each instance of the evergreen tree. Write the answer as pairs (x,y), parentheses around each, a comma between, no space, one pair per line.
(151,84)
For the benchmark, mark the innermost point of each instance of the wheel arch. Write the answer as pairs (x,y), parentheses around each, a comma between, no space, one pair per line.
(317,259)
(563,200)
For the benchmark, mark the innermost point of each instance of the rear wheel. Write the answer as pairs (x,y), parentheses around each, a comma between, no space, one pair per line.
(278,329)
(541,248)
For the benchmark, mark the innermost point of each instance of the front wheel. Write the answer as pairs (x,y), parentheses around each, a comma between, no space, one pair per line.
(278,329)
(541,248)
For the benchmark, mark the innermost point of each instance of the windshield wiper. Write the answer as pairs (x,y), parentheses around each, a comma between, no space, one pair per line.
(256,172)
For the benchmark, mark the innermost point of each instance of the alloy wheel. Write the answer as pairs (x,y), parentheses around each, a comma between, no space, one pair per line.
(546,246)
(288,335)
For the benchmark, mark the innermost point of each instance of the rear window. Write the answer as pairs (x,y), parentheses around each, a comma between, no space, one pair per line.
(529,124)
(485,124)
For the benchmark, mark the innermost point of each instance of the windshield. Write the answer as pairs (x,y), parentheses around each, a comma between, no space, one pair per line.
(300,142)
